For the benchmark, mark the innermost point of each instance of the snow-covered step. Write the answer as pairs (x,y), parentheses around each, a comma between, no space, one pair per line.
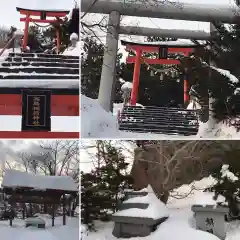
(40,64)
(32,59)
(42,55)
(48,70)
(159,120)
(158,115)
(38,76)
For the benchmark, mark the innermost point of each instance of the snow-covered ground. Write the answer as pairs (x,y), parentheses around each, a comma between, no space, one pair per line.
(58,232)
(181,224)
(97,123)
(74,51)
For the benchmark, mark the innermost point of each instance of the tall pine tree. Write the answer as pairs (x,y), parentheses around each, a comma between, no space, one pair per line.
(102,188)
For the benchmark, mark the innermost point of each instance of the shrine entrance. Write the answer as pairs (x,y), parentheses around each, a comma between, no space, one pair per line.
(42,18)
(164,50)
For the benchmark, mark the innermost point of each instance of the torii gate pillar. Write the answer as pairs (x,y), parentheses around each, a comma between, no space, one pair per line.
(43,14)
(108,76)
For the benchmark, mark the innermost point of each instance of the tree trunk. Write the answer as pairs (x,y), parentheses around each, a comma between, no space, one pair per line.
(164,197)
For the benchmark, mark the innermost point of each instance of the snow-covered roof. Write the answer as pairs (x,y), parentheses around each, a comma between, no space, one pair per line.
(49,5)
(178,43)
(18,179)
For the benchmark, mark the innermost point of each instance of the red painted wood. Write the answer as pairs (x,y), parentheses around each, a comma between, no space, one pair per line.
(154,61)
(38,13)
(39,135)
(39,20)
(186,94)
(186,51)
(136,76)
(67,105)
(25,37)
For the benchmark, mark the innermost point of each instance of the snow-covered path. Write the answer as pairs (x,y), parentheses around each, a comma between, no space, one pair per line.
(58,232)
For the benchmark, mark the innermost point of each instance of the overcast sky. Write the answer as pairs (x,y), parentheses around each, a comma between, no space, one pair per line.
(9,15)
(88,153)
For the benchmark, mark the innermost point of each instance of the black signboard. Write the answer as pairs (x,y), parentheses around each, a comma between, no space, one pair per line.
(36,110)
(163,53)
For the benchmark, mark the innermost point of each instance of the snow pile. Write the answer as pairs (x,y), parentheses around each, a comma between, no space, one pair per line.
(180,225)
(96,121)
(227,174)
(227,74)
(220,130)
(58,232)
(119,106)
(193,105)
(73,36)
(155,210)
(74,51)
(13,178)
(207,199)
(126,86)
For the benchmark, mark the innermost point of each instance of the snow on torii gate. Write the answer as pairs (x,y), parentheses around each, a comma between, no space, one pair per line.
(162,48)
(43,14)
(175,10)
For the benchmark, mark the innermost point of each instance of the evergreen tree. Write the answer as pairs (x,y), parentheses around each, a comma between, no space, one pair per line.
(203,74)
(227,179)
(91,69)
(101,189)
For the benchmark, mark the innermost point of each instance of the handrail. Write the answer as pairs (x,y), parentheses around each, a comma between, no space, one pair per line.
(7,44)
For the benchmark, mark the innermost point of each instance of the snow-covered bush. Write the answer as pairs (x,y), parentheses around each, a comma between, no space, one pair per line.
(227,181)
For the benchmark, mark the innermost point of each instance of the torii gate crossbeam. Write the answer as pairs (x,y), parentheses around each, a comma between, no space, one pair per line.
(175,10)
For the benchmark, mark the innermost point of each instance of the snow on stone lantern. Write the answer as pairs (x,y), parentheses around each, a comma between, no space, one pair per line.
(210,216)
(126,90)
(74,39)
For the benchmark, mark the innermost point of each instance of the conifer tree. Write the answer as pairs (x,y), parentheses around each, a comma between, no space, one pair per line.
(102,188)
(227,179)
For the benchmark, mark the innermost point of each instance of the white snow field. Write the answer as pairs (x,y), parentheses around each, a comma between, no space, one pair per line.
(58,232)
(180,225)
(18,231)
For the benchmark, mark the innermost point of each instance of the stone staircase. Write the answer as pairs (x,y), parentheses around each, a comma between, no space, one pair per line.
(159,120)
(39,66)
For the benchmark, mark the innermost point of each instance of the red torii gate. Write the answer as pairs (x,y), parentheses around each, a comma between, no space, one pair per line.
(139,48)
(64,102)
(43,14)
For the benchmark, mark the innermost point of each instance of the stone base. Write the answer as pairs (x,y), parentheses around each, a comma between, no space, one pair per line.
(127,227)
(35,222)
